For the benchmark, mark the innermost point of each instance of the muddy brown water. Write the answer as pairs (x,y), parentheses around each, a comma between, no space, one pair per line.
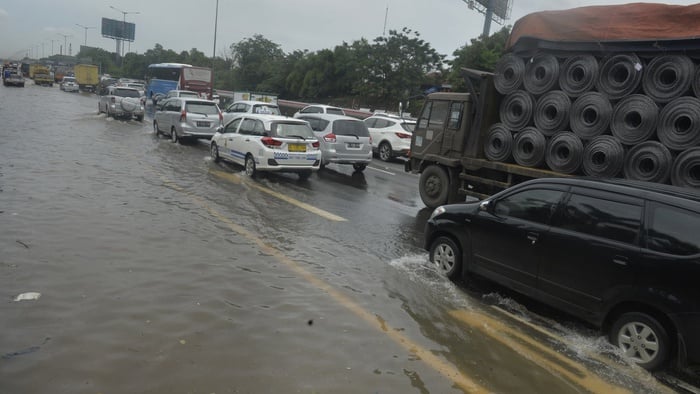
(159,275)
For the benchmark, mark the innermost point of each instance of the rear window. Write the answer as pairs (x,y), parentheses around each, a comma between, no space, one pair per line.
(408,126)
(266,109)
(283,129)
(673,230)
(335,111)
(350,127)
(126,93)
(202,108)
(188,94)
(316,124)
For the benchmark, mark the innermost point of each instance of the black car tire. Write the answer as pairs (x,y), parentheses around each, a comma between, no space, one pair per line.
(384,151)
(642,339)
(214,152)
(359,166)
(434,186)
(156,131)
(447,257)
(173,136)
(304,175)
(139,118)
(250,166)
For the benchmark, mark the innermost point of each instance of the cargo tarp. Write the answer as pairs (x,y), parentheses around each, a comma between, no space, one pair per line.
(633,23)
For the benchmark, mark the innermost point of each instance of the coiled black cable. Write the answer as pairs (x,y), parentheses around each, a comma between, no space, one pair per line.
(649,161)
(529,147)
(590,115)
(603,157)
(578,74)
(516,110)
(619,76)
(668,77)
(498,145)
(508,76)
(564,152)
(634,119)
(552,112)
(541,73)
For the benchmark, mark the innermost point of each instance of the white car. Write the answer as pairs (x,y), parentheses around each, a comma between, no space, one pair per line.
(121,102)
(320,109)
(249,107)
(391,136)
(268,143)
(69,84)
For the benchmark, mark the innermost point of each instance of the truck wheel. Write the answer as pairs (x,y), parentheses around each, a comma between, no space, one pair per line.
(434,186)
(642,339)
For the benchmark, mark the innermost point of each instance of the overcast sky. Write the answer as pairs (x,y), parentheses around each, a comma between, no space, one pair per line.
(293,24)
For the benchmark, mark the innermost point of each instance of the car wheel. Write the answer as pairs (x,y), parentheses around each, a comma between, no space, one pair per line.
(250,166)
(642,339)
(385,151)
(445,253)
(173,136)
(304,175)
(359,166)
(156,131)
(139,118)
(433,186)
(214,151)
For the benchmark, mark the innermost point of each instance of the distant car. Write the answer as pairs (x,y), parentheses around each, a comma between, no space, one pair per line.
(69,84)
(391,136)
(268,143)
(344,140)
(157,98)
(621,255)
(249,107)
(320,109)
(121,102)
(138,86)
(187,118)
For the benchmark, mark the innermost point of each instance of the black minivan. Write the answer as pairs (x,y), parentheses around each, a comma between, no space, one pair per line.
(621,255)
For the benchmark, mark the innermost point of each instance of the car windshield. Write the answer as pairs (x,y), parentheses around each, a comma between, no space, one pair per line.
(350,127)
(266,109)
(335,111)
(135,85)
(68,79)
(188,94)
(292,129)
(126,93)
(202,108)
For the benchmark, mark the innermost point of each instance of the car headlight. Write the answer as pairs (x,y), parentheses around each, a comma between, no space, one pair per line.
(438,211)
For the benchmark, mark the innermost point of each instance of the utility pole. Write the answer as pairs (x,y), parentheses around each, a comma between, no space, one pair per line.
(213,55)
(65,41)
(86,29)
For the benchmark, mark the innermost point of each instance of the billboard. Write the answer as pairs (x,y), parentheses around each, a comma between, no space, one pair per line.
(501,8)
(120,30)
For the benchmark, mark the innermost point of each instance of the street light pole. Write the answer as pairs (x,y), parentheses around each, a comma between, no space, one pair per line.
(213,55)
(123,23)
(86,29)
(65,41)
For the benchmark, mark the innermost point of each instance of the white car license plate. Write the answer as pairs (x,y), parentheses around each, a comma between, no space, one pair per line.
(203,124)
(353,144)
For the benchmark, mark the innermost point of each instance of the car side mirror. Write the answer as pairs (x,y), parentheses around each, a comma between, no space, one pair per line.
(220,129)
(485,206)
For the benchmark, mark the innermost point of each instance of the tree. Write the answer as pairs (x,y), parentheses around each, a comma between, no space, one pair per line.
(394,67)
(255,61)
(482,54)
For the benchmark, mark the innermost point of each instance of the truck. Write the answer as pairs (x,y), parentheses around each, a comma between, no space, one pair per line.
(42,75)
(12,75)
(87,76)
(601,91)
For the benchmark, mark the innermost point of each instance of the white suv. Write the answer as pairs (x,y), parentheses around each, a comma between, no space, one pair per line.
(391,136)
(121,101)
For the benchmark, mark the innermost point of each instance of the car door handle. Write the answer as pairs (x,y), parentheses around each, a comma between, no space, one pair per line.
(532,237)
(621,260)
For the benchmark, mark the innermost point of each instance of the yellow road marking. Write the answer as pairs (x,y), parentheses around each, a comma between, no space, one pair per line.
(550,360)
(441,366)
(660,388)
(237,179)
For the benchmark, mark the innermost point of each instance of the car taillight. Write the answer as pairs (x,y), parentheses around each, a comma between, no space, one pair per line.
(113,100)
(403,135)
(270,142)
(316,144)
(183,116)
(329,137)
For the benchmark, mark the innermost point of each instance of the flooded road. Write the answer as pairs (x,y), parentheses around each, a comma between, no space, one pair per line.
(160,271)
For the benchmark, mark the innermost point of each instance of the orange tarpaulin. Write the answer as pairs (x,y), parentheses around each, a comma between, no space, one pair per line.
(635,21)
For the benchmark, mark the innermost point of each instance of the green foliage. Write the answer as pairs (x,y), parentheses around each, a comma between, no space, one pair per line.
(378,73)
(481,54)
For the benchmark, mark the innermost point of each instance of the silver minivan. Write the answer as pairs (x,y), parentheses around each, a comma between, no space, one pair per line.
(187,118)
(344,140)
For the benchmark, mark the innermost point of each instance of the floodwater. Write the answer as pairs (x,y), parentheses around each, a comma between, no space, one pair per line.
(159,271)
